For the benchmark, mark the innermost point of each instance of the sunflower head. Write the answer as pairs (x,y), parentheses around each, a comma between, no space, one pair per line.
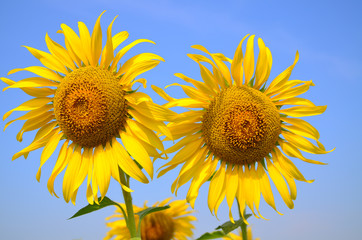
(172,223)
(90,106)
(241,129)
(84,100)
(157,226)
(241,125)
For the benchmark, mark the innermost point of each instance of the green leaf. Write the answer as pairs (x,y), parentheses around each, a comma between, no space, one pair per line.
(213,235)
(147,211)
(91,208)
(229,226)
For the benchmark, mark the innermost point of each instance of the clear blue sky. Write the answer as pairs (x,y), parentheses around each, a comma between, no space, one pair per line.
(327,35)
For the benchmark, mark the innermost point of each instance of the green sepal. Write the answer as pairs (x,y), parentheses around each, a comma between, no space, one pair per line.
(226,228)
(251,82)
(91,208)
(213,235)
(229,226)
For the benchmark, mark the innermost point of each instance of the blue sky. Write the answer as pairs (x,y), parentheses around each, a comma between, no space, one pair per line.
(327,35)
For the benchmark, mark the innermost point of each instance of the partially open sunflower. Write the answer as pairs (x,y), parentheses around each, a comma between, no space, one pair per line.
(240,131)
(83,100)
(172,223)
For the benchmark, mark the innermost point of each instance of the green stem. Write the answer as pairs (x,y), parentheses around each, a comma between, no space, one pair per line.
(131,223)
(244,233)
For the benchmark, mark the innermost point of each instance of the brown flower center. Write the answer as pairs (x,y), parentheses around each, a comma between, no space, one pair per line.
(157,226)
(89,106)
(241,125)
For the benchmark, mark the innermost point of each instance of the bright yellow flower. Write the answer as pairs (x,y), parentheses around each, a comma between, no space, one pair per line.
(234,236)
(171,223)
(241,130)
(84,96)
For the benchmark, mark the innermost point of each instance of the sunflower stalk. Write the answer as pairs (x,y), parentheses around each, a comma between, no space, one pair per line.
(130,220)
(244,233)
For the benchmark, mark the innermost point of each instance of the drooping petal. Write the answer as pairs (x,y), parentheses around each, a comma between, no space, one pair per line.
(41,71)
(60,164)
(137,151)
(237,70)
(249,61)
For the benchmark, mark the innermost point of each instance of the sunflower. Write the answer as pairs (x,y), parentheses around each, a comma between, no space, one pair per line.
(171,223)
(84,101)
(239,131)
(238,236)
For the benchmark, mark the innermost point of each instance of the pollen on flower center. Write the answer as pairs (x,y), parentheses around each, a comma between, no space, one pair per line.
(157,226)
(241,125)
(89,106)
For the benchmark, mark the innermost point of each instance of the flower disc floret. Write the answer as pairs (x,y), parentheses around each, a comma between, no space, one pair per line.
(241,125)
(157,226)
(90,107)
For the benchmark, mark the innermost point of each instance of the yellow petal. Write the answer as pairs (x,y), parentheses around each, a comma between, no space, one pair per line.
(102,170)
(186,152)
(126,163)
(96,41)
(295,101)
(236,65)
(188,139)
(107,54)
(265,187)
(41,71)
(138,152)
(232,184)
(137,97)
(192,92)
(292,92)
(249,61)
(71,172)
(33,146)
(289,179)
(48,60)
(60,52)
(151,123)
(216,185)
(85,40)
(224,70)
(280,184)
(154,111)
(249,188)
(35,123)
(288,166)
(181,129)
(301,127)
(205,173)
(50,148)
(303,111)
(75,43)
(31,114)
(119,38)
(262,66)
(303,144)
(190,169)
(145,134)
(292,151)
(199,85)
(187,103)
(33,82)
(125,49)
(282,78)
(83,169)
(209,79)
(60,164)
(162,93)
